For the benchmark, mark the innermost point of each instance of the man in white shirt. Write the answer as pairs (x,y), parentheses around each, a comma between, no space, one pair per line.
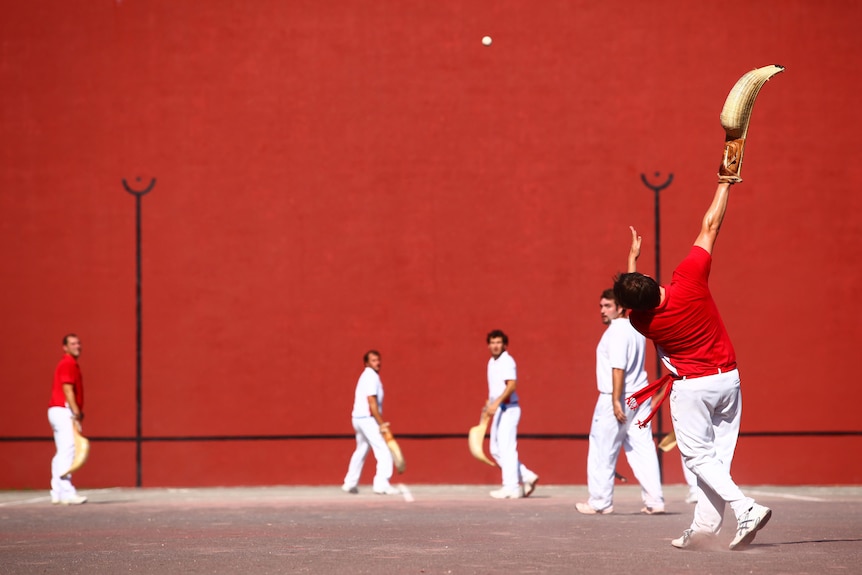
(369,425)
(619,373)
(503,406)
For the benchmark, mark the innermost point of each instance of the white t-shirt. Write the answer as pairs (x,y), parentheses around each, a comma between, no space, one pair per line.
(500,370)
(369,384)
(621,347)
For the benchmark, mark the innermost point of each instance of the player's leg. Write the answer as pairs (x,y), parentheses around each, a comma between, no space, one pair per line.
(695,440)
(750,516)
(697,401)
(725,422)
(371,431)
(357,460)
(508,440)
(528,478)
(60,419)
(641,454)
(606,436)
(691,481)
(507,451)
(494,441)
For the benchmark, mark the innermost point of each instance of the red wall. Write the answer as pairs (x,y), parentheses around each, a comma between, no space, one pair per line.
(335,176)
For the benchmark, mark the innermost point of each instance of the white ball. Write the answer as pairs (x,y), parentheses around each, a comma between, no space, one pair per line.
(486,41)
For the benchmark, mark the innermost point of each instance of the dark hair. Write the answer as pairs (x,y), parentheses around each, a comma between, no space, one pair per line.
(636,291)
(608,294)
(498,333)
(67,336)
(369,353)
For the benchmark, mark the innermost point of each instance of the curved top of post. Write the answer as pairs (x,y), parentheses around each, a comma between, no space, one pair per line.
(659,187)
(139,192)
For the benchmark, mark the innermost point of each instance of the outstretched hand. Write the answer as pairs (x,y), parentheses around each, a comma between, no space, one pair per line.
(636,243)
(634,251)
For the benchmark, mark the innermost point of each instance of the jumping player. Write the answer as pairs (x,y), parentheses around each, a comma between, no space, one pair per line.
(706,403)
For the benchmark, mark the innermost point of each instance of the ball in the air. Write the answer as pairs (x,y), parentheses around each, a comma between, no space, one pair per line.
(486,41)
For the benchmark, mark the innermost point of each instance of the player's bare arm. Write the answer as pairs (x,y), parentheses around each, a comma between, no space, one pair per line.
(619,381)
(77,414)
(634,251)
(375,412)
(492,406)
(713,218)
(69,392)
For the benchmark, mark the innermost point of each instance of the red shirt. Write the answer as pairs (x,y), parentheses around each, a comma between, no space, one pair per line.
(686,327)
(68,371)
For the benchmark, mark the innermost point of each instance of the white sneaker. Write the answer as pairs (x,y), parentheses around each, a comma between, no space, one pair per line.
(388,490)
(73,500)
(652,510)
(348,489)
(587,509)
(692,497)
(684,541)
(749,524)
(507,493)
(530,485)
(691,539)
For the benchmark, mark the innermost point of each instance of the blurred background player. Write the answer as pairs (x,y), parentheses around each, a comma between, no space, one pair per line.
(66,409)
(620,372)
(503,407)
(367,418)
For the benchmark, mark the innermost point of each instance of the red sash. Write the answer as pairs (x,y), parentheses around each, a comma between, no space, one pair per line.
(649,391)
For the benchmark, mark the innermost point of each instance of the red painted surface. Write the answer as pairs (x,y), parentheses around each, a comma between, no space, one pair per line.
(334,177)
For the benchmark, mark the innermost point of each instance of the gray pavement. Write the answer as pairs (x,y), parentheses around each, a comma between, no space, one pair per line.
(447,529)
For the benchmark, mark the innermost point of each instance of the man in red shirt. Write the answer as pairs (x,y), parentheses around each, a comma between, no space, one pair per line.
(706,403)
(64,411)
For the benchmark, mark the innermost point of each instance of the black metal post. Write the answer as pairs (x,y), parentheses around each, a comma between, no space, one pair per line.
(138,327)
(657,215)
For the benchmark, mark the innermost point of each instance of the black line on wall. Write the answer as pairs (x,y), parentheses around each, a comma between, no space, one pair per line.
(139,331)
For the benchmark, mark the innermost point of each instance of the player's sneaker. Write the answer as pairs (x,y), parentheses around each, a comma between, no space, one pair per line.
(73,500)
(350,489)
(749,524)
(507,493)
(530,484)
(692,496)
(587,509)
(388,490)
(686,540)
(652,510)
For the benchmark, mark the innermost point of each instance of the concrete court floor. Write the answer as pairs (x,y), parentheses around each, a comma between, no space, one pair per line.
(433,529)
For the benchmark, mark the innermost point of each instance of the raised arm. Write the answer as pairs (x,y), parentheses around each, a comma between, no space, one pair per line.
(634,251)
(713,218)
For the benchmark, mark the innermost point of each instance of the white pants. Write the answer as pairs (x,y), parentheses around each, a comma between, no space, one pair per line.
(504,446)
(690,478)
(368,435)
(60,419)
(607,435)
(706,412)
